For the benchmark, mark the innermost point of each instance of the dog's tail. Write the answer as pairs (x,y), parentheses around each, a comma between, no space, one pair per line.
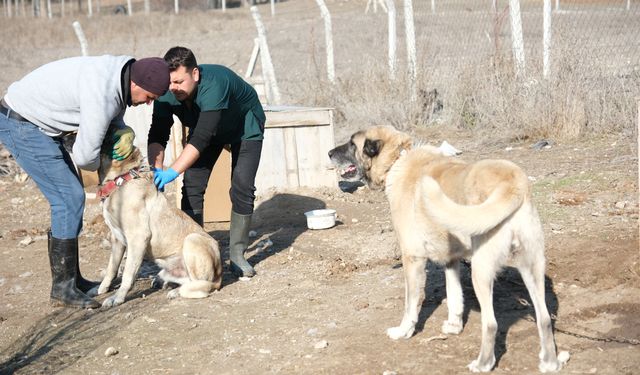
(471,220)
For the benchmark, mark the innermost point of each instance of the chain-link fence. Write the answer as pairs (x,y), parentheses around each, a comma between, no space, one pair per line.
(464,52)
(605,35)
(593,60)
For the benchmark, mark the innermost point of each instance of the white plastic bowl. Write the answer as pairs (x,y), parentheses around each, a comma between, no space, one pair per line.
(321,219)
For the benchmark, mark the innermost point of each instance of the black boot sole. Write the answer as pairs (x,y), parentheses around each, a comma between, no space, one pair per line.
(237,271)
(83,305)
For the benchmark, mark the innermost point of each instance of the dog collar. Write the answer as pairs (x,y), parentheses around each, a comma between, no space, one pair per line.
(111,185)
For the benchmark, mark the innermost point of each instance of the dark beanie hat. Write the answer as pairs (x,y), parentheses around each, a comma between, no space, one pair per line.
(152,74)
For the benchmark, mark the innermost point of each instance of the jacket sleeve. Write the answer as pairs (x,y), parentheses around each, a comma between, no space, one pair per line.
(161,123)
(97,113)
(205,129)
(160,130)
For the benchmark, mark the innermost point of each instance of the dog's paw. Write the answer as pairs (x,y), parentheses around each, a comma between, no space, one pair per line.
(556,365)
(102,289)
(396,333)
(476,366)
(112,301)
(451,328)
(174,293)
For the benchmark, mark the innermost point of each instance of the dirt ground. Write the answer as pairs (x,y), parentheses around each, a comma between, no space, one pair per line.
(322,300)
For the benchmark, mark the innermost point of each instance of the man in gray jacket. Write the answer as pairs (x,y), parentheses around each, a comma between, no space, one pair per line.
(85,95)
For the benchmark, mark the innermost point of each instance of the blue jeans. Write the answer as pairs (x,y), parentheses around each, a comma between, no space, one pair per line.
(49,165)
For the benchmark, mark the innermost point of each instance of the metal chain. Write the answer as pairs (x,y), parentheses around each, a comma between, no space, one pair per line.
(620,340)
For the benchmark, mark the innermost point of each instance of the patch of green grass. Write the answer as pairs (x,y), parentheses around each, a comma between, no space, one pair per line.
(577,181)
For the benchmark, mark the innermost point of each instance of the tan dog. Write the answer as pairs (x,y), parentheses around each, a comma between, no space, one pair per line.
(445,210)
(144,223)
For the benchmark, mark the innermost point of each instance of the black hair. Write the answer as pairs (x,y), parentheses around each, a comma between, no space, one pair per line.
(180,56)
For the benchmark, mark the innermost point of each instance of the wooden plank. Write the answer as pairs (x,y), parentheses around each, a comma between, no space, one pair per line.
(308,150)
(291,156)
(314,167)
(178,135)
(326,173)
(139,119)
(272,169)
(297,118)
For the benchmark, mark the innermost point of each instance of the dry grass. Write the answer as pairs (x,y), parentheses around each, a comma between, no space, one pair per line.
(469,66)
(568,105)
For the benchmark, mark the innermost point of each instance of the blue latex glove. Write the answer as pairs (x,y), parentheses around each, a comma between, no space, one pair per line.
(161,178)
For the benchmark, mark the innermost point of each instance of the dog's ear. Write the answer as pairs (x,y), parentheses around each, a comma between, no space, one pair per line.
(406,142)
(372,147)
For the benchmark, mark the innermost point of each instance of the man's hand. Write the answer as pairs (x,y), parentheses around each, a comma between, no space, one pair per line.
(123,143)
(161,178)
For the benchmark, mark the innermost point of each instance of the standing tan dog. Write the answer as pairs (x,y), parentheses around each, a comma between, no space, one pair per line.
(445,210)
(144,223)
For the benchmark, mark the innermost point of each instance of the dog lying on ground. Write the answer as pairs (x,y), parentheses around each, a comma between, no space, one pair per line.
(446,210)
(147,225)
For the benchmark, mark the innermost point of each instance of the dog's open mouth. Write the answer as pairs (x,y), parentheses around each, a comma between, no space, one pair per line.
(348,172)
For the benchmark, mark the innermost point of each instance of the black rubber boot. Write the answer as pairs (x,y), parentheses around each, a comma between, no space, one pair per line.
(238,243)
(82,284)
(63,259)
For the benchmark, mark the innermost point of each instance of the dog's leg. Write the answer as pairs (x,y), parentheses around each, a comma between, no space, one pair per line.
(199,265)
(117,252)
(531,269)
(455,299)
(483,269)
(534,280)
(414,281)
(135,255)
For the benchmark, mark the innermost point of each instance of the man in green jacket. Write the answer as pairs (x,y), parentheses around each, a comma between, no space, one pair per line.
(220,109)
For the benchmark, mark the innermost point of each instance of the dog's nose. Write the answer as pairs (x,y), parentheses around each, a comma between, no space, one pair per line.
(330,153)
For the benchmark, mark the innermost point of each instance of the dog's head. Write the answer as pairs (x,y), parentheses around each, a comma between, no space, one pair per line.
(110,168)
(369,155)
